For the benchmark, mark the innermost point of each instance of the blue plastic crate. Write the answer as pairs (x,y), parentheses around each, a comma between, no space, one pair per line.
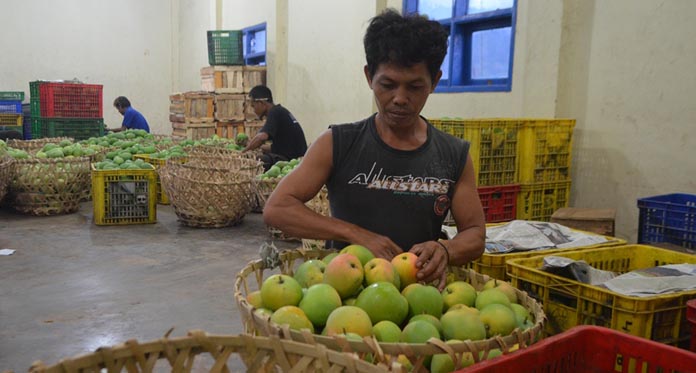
(26,127)
(668,218)
(11,107)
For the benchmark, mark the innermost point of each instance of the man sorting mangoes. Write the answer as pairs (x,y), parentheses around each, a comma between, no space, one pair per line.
(281,127)
(391,177)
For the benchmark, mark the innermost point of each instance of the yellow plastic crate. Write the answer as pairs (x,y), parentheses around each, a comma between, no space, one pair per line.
(494,264)
(10,119)
(494,146)
(539,201)
(545,150)
(124,196)
(162,197)
(568,303)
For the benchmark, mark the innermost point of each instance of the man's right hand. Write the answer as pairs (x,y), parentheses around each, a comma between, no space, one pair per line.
(381,246)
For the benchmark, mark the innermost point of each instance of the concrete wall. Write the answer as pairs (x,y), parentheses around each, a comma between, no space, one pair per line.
(627,76)
(195,18)
(124,45)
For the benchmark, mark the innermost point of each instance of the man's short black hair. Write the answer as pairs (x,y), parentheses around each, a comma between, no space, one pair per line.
(261,93)
(121,102)
(404,41)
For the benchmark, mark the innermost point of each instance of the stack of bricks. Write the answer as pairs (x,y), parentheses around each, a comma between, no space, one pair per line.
(230,86)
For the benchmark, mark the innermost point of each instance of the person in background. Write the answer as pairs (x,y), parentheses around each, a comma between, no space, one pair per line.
(132,119)
(391,177)
(281,127)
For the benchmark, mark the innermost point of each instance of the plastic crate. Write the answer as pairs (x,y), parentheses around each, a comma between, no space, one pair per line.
(545,150)
(225,47)
(691,318)
(10,119)
(493,149)
(499,202)
(11,96)
(34,89)
(35,107)
(494,265)
(568,303)
(19,129)
(76,128)
(124,196)
(70,100)
(11,107)
(540,200)
(26,127)
(668,218)
(162,197)
(592,349)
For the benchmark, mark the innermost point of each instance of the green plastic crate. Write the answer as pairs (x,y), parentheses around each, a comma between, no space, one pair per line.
(34,89)
(11,96)
(76,128)
(35,106)
(225,47)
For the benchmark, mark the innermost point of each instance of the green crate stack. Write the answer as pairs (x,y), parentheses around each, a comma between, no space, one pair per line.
(225,47)
(77,128)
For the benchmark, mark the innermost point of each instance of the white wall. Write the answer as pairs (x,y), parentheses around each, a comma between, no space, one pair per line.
(534,76)
(124,45)
(195,18)
(628,78)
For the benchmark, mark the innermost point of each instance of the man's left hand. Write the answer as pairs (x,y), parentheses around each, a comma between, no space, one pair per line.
(431,263)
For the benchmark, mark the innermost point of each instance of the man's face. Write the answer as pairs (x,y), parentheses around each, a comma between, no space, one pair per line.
(401,92)
(120,109)
(259,107)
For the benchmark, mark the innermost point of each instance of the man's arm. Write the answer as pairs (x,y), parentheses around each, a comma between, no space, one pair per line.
(468,244)
(286,210)
(122,128)
(257,141)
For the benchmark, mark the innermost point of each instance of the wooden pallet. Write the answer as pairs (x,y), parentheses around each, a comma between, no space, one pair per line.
(232,79)
(252,127)
(193,131)
(229,107)
(192,107)
(229,130)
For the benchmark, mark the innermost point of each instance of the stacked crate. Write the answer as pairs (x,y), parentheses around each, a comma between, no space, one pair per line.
(192,115)
(522,165)
(493,148)
(65,109)
(545,157)
(230,86)
(11,111)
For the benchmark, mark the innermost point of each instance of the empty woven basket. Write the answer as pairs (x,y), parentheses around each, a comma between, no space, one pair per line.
(210,192)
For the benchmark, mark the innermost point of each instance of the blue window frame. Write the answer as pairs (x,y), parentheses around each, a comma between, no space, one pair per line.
(254,44)
(481,42)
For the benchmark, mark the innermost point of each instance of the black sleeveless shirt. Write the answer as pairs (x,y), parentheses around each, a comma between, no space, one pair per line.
(404,195)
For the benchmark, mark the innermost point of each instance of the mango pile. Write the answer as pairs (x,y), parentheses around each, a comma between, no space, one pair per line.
(354,294)
(280,169)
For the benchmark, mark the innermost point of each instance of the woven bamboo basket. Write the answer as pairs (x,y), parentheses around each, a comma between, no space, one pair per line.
(36,144)
(319,204)
(209,193)
(6,174)
(251,277)
(43,186)
(220,149)
(214,353)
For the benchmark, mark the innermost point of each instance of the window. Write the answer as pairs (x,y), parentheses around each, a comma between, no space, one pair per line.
(254,44)
(481,42)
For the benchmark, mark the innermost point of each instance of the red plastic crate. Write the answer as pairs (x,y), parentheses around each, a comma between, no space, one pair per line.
(69,100)
(595,349)
(499,202)
(691,318)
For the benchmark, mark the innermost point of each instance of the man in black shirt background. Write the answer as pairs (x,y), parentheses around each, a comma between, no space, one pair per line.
(281,127)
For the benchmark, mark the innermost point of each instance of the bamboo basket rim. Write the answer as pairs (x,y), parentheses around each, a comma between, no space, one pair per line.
(383,352)
(34,144)
(258,353)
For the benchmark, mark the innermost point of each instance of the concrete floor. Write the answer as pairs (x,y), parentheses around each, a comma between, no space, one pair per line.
(72,286)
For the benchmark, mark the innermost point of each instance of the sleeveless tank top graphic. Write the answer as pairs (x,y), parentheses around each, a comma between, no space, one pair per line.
(404,195)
